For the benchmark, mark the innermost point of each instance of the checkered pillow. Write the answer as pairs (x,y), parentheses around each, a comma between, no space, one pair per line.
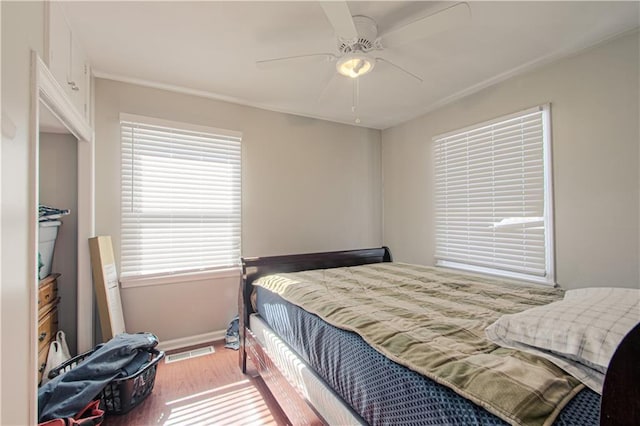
(596,292)
(583,330)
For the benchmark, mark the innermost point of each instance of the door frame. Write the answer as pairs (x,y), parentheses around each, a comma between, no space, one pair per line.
(45,89)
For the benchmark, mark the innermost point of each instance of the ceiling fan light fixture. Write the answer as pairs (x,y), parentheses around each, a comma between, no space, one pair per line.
(354,65)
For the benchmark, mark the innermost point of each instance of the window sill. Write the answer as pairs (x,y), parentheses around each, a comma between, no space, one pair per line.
(497,273)
(179,278)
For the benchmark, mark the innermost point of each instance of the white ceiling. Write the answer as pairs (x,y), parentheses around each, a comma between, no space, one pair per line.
(211,48)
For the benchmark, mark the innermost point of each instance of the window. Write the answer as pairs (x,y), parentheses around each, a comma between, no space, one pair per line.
(493,197)
(180,188)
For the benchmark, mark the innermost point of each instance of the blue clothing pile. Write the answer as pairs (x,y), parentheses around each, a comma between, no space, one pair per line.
(68,393)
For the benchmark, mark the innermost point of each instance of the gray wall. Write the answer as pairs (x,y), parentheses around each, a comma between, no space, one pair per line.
(59,188)
(595,125)
(307,185)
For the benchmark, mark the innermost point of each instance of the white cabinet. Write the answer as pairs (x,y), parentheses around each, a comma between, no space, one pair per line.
(66,59)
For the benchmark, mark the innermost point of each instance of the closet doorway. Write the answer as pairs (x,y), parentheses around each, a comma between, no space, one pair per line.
(58,128)
(57,188)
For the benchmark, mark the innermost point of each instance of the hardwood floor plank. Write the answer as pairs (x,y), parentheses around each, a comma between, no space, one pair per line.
(206,390)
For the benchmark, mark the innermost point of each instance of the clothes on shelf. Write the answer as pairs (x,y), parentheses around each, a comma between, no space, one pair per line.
(46,213)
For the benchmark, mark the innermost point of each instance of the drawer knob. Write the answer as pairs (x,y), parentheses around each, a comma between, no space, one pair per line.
(42,336)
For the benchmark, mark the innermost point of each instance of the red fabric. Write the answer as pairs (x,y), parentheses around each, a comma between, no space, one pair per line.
(90,415)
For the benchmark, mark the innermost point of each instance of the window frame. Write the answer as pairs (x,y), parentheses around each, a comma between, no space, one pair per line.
(549,232)
(182,275)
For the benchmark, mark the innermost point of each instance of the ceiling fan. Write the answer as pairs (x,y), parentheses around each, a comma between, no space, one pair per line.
(358,38)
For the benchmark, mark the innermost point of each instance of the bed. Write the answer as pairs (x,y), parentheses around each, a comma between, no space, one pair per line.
(323,373)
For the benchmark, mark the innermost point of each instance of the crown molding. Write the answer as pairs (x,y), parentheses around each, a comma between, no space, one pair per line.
(218,97)
(519,70)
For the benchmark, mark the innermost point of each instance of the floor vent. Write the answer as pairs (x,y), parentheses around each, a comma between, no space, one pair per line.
(189,354)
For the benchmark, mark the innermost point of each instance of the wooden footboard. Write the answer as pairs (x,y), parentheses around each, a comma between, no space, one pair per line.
(621,393)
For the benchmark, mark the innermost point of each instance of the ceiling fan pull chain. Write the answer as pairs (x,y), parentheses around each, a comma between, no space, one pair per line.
(356,98)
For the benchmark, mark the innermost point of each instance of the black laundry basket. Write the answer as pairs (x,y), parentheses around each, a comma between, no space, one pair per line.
(124,393)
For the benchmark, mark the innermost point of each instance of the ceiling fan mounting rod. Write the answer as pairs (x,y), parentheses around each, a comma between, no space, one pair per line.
(367,36)
(357,45)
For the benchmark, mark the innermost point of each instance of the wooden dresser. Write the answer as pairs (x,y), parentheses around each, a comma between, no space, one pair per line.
(47,318)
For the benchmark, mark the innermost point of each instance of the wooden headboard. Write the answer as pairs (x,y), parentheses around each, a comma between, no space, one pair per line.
(256,267)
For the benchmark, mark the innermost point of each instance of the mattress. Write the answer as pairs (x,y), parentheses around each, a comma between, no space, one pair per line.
(298,373)
(376,388)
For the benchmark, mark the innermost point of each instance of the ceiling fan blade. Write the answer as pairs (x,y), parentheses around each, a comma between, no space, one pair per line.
(452,17)
(340,17)
(327,82)
(399,68)
(268,63)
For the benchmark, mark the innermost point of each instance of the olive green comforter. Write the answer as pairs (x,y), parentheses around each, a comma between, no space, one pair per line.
(432,321)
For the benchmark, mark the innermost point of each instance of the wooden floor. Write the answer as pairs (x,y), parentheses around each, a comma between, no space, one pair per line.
(206,390)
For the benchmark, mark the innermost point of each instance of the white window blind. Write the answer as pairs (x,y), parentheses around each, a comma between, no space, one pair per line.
(493,197)
(181,205)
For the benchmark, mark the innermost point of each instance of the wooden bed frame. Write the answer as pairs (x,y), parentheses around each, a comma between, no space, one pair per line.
(621,395)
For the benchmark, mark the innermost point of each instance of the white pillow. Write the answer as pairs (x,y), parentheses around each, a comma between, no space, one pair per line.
(580,332)
(601,292)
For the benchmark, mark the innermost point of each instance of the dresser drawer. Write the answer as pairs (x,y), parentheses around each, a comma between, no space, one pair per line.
(47,328)
(42,361)
(47,294)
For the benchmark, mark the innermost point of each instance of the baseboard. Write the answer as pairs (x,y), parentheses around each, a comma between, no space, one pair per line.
(183,342)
